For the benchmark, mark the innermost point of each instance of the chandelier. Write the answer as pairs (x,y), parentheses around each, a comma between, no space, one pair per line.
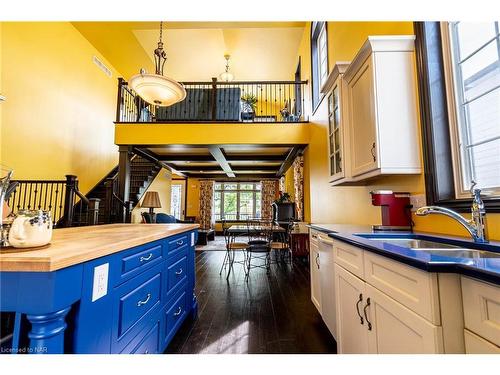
(226,76)
(156,88)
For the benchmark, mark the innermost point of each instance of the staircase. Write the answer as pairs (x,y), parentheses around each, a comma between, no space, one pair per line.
(142,174)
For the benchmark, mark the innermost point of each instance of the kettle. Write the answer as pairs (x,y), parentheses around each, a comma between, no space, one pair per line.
(31,228)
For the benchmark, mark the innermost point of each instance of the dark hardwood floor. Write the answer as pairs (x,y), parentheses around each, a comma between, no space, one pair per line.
(269,314)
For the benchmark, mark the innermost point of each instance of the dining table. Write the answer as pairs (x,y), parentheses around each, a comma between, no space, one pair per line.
(236,230)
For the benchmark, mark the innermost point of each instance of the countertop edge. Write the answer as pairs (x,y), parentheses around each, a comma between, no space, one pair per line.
(48,264)
(456,268)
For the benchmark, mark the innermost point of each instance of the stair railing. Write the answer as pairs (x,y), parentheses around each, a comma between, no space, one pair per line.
(56,196)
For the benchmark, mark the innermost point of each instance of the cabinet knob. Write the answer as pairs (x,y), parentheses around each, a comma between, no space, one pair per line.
(179,272)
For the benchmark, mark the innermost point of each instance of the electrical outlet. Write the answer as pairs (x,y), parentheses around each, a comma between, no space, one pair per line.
(417,201)
(100,286)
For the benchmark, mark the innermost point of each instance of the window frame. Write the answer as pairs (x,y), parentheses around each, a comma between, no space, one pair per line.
(453,93)
(238,191)
(317,27)
(434,117)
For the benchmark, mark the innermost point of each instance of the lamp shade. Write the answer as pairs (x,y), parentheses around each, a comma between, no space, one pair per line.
(226,76)
(151,200)
(157,89)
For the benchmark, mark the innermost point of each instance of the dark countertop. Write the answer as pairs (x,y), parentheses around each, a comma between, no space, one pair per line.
(483,264)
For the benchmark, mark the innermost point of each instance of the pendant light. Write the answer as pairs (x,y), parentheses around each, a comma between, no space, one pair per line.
(156,88)
(226,76)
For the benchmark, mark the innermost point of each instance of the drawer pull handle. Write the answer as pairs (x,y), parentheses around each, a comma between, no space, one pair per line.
(145,259)
(179,272)
(178,311)
(317,257)
(315,236)
(140,303)
(373,151)
(180,242)
(366,316)
(357,308)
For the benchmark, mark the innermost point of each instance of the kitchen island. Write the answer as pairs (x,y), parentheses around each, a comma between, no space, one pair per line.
(120,288)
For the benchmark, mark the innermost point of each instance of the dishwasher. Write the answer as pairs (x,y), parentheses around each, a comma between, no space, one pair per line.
(327,283)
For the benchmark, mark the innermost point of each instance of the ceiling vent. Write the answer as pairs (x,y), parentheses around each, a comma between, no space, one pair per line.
(102,66)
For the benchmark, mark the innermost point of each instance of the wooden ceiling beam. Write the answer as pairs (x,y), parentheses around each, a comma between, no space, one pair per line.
(221,159)
(294,152)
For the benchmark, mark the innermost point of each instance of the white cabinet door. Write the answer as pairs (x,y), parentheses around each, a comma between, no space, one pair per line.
(327,283)
(315,276)
(394,329)
(477,345)
(363,135)
(352,333)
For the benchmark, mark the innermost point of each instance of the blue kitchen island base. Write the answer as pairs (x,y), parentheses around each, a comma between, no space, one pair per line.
(131,301)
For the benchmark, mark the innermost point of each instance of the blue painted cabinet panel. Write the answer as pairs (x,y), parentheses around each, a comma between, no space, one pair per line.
(148,294)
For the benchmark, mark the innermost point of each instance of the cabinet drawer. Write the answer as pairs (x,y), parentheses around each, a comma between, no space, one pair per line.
(138,259)
(413,288)
(136,299)
(349,257)
(176,274)
(177,244)
(150,343)
(482,309)
(173,316)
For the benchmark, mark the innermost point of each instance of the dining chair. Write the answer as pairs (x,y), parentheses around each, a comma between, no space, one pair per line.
(259,251)
(281,244)
(233,244)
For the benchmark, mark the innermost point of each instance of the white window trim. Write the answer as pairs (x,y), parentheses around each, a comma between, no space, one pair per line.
(457,152)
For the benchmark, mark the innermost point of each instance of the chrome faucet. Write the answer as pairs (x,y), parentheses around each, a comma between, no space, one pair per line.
(476,226)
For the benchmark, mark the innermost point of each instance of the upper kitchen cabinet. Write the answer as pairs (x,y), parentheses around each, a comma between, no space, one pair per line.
(382,109)
(338,150)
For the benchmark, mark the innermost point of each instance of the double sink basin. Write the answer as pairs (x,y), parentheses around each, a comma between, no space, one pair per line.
(442,247)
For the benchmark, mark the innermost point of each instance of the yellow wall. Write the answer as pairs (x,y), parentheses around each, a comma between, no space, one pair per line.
(353,204)
(58,117)
(162,184)
(193,197)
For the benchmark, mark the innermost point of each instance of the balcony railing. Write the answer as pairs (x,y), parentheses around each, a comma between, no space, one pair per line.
(245,101)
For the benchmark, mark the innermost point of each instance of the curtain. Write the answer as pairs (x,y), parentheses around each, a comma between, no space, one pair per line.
(269,195)
(207,214)
(298,184)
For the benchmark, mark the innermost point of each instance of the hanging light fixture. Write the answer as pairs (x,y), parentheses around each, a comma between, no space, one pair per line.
(226,76)
(156,88)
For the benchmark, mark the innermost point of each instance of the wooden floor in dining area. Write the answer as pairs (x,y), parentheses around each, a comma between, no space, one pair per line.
(269,314)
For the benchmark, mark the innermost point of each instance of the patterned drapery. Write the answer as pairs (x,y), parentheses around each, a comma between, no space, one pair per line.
(298,182)
(269,195)
(207,214)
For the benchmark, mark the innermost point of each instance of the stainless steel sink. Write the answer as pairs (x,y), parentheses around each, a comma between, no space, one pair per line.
(417,243)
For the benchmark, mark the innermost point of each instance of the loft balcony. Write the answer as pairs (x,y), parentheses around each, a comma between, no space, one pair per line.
(219,102)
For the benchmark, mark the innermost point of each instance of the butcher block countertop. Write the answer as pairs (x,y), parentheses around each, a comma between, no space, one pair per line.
(70,246)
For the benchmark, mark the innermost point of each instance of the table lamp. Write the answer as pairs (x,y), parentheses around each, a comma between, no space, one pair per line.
(151,200)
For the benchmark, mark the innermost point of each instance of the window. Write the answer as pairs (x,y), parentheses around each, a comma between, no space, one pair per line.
(472,71)
(458,77)
(237,200)
(319,60)
(175,201)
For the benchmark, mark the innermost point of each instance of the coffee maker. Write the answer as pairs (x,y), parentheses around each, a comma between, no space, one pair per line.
(396,209)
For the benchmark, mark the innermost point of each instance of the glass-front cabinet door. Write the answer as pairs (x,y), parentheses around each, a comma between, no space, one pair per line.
(334,134)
